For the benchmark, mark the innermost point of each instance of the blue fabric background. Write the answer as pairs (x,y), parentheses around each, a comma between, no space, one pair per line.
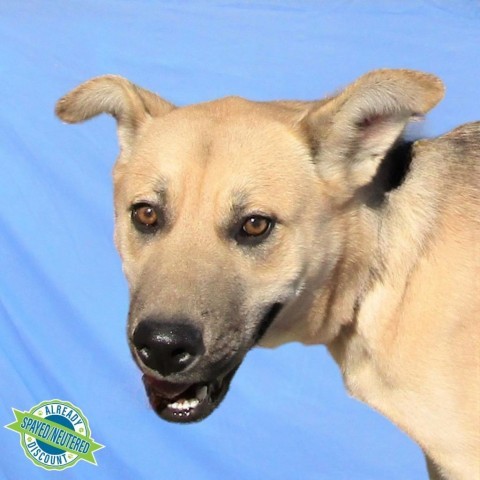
(63,299)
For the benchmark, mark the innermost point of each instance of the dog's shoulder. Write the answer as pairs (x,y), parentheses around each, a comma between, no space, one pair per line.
(467,134)
(462,143)
(453,157)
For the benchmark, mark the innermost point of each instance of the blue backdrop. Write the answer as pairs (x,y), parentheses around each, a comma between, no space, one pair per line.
(63,299)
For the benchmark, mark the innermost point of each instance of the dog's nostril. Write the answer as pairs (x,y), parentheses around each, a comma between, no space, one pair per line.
(167,347)
(144,353)
(181,356)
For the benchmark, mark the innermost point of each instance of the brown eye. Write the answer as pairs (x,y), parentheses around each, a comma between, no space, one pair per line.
(255,226)
(254,229)
(145,217)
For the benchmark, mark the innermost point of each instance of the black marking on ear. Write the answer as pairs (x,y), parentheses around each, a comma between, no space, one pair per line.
(391,173)
(396,165)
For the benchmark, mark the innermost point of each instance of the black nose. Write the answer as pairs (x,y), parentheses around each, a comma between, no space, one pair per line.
(167,347)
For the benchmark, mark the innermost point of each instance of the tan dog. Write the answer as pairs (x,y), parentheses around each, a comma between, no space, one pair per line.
(243,223)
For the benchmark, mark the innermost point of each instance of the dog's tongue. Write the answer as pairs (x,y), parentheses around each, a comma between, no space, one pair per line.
(165,389)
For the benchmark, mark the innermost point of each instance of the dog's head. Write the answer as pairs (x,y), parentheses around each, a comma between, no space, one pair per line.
(228,211)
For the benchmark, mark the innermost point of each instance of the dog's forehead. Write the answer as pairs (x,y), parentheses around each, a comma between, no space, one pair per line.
(215,151)
(230,131)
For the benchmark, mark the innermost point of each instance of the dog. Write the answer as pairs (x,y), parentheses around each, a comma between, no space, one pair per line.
(245,223)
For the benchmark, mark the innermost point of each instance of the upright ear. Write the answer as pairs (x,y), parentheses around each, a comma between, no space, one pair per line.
(115,95)
(354,130)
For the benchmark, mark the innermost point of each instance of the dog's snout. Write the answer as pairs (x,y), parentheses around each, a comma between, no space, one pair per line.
(167,347)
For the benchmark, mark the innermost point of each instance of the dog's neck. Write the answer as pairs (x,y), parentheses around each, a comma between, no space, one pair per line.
(397,228)
(376,247)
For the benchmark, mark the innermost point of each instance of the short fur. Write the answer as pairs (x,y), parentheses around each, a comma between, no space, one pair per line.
(375,253)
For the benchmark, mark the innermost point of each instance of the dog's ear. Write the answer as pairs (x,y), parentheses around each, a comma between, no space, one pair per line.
(115,95)
(354,130)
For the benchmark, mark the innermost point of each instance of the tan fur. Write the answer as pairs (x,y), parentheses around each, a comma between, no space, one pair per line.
(387,278)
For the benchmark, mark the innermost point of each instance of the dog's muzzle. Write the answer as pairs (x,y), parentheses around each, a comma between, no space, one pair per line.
(168,348)
(165,349)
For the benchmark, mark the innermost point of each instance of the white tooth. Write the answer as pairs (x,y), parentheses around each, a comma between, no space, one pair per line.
(201,393)
(178,405)
(184,404)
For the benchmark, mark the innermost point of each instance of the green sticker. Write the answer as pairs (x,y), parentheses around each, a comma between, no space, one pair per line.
(55,435)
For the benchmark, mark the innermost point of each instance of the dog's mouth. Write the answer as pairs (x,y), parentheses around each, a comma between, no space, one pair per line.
(192,402)
(186,403)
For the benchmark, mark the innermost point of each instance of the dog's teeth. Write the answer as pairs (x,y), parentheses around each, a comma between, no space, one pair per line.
(201,393)
(181,404)
(184,404)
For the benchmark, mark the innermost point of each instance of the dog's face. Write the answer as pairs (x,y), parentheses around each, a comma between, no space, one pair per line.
(228,211)
(212,244)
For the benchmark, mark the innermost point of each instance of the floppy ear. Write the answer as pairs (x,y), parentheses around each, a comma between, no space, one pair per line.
(354,130)
(115,95)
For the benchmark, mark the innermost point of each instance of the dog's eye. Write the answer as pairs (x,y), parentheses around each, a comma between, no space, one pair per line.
(255,226)
(145,217)
(254,229)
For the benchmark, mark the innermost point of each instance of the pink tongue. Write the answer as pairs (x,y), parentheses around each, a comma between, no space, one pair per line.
(165,389)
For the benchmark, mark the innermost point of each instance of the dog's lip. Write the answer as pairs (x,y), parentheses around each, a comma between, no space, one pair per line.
(267,320)
(165,389)
(186,403)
